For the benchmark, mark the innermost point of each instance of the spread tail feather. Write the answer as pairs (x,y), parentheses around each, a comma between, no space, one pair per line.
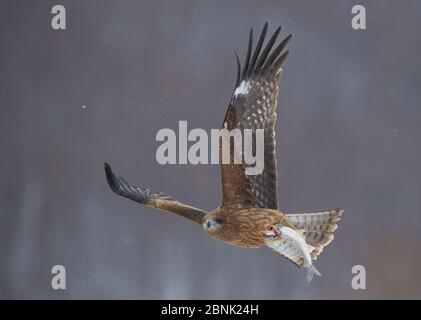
(318,227)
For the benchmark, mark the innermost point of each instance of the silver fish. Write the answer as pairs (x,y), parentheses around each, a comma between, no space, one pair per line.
(291,244)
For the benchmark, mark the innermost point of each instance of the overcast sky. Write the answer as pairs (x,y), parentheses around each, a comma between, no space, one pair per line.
(348,135)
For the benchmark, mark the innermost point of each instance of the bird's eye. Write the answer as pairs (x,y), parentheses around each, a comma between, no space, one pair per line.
(218,221)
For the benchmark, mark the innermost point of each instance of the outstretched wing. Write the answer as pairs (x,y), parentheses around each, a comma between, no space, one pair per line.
(150,198)
(253,106)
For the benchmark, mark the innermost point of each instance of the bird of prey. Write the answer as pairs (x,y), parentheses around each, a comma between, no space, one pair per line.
(249,215)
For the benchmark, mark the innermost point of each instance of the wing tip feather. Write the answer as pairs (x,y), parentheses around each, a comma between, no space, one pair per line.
(110,176)
(257,61)
(113,181)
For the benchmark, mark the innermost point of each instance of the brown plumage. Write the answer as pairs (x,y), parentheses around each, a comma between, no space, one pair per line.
(248,215)
(243,227)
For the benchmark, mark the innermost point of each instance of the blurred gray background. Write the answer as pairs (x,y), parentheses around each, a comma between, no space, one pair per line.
(348,135)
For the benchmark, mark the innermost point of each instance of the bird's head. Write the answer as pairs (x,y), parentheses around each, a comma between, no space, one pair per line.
(211,223)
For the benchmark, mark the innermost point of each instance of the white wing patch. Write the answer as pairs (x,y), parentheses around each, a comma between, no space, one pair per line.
(243,89)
